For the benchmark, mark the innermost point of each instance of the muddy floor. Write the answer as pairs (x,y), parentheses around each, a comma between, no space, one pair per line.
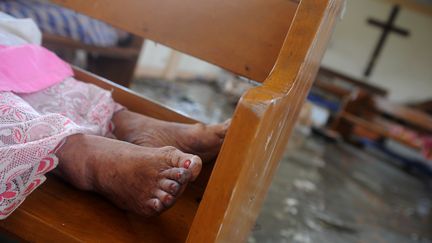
(322,192)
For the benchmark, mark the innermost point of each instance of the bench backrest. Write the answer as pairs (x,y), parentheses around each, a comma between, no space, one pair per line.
(243,36)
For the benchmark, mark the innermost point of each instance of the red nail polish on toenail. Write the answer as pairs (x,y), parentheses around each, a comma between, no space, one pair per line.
(168,198)
(187,164)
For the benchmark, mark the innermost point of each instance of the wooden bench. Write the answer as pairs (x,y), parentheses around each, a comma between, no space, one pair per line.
(334,90)
(276,42)
(374,117)
(334,77)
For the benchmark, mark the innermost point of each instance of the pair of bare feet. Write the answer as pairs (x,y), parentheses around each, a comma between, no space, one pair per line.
(148,168)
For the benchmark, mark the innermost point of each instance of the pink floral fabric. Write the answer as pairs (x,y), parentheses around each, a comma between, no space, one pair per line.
(33,126)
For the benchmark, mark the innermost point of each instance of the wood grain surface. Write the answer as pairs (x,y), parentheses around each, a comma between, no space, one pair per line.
(243,36)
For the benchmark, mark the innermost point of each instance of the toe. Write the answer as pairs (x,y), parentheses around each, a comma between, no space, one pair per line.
(170,186)
(155,205)
(179,175)
(193,164)
(164,197)
(179,159)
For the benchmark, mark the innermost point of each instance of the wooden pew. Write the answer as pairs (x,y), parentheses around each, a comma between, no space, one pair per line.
(326,73)
(276,42)
(377,115)
(334,90)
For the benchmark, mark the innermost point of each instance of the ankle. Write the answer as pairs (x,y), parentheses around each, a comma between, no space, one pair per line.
(76,161)
(126,124)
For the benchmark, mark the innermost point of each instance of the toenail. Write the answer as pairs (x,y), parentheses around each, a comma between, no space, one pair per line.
(173,187)
(168,198)
(187,164)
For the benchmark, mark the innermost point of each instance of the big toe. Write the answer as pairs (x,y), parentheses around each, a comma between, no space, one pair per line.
(190,162)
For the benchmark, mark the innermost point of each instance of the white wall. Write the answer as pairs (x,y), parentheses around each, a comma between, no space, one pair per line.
(405,64)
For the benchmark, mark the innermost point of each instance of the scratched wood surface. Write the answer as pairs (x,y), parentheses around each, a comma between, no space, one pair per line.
(250,154)
(254,144)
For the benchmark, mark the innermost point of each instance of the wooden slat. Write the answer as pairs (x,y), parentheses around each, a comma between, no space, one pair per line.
(59,42)
(333,89)
(358,83)
(380,127)
(260,130)
(132,100)
(56,212)
(408,115)
(243,36)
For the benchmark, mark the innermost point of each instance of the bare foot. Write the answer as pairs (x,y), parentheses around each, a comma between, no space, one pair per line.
(202,140)
(144,180)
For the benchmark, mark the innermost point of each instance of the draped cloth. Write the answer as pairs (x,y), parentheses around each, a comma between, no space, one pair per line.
(41,104)
(33,126)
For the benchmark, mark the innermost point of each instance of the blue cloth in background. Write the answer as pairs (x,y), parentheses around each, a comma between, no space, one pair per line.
(319,100)
(60,21)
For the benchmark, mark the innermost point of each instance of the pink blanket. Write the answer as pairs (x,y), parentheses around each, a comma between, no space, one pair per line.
(30,68)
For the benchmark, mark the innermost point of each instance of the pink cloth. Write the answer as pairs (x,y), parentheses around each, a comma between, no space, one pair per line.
(30,68)
(33,126)
(41,105)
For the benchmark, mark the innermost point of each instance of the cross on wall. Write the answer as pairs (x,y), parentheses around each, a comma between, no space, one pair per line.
(388,28)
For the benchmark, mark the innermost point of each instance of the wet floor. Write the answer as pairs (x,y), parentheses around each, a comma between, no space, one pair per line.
(322,192)
(337,193)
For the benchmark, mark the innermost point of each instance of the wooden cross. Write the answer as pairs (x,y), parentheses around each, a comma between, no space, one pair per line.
(387,27)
